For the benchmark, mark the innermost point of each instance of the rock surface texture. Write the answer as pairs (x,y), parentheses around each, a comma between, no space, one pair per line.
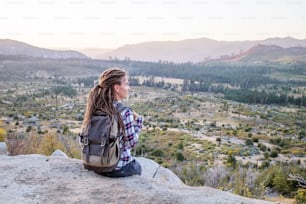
(54,179)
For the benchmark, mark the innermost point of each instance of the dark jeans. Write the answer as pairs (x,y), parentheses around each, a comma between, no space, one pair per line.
(130,169)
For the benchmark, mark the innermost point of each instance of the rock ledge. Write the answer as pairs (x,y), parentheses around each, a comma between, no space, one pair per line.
(43,179)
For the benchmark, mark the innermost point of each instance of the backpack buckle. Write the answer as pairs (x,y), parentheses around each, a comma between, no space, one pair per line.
(85,141)
(103,143)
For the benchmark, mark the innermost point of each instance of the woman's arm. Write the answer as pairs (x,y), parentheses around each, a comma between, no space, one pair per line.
(132,127)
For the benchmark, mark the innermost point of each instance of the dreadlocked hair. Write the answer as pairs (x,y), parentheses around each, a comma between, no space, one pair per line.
(101,98)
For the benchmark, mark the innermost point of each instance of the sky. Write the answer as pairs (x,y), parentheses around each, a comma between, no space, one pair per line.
(78,24)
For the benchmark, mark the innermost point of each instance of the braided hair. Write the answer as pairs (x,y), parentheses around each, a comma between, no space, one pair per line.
(102,97)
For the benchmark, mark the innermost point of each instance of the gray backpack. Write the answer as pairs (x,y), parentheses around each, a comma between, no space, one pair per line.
(100,147)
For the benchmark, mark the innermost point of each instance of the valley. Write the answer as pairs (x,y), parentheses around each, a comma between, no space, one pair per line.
(235,126)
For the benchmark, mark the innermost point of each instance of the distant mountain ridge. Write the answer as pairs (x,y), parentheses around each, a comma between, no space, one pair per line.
(189,50)
(13,47)
(265,53)
(194,50)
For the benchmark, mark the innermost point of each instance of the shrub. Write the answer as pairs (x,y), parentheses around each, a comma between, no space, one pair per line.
(65,129)
(39,131)
(2,135)
(248,129)
(249,142)
(273,153)
(265,164)
(275,141)
(180,145)
(262,147)
(179,156)
(300,196)
(218,139)
(280,182)
(49,144)
(158,153)
(266,155)
(276,177)
(255,140)
(282,143)
(213,124)
(232,160)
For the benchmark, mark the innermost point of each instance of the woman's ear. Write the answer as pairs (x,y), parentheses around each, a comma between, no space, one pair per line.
(116,88)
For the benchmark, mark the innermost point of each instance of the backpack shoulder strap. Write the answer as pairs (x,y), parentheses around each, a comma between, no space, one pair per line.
(120,107)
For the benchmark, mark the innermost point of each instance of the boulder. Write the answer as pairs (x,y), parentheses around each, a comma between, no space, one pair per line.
(42,179)
(152,170)
(59,153)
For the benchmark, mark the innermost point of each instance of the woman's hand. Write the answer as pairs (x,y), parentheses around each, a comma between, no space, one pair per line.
(135,115)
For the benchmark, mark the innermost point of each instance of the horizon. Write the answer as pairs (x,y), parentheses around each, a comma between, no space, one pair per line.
(89,48)
(103,24)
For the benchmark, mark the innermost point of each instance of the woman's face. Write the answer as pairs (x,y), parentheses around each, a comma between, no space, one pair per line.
(122,90)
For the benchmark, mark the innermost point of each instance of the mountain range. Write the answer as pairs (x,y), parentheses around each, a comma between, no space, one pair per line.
(189,50)
(195,50)
(13,47)
(271,53)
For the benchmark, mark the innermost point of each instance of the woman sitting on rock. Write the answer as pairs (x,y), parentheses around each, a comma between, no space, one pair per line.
(106,97)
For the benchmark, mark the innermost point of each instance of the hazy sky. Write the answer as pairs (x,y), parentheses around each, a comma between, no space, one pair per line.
(76,24)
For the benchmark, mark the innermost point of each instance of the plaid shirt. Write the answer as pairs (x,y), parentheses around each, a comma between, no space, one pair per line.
(132,131)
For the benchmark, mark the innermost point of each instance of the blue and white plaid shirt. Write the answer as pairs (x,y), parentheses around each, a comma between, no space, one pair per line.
(132,131)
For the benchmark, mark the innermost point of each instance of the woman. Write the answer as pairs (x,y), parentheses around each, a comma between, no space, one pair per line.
(113,87)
